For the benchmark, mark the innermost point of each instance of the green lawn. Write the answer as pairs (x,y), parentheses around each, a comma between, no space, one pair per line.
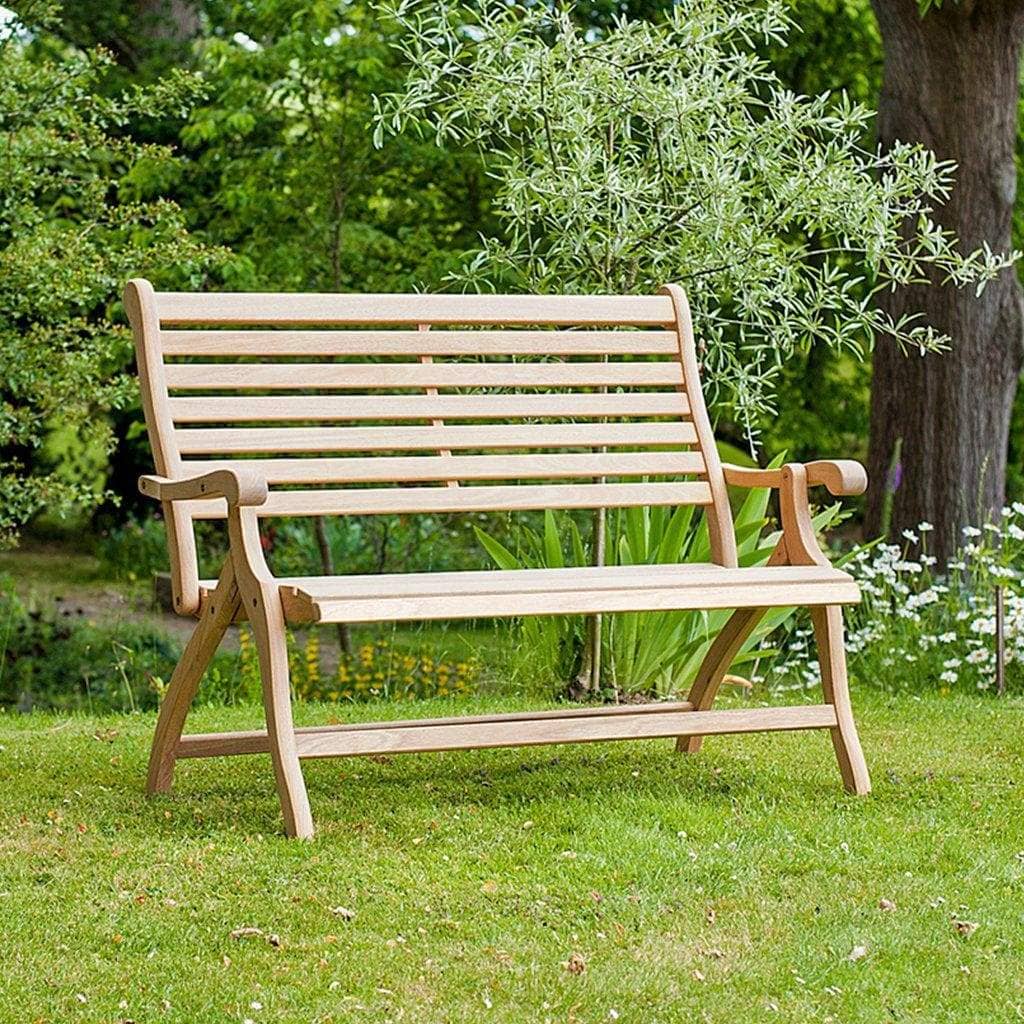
(730,887)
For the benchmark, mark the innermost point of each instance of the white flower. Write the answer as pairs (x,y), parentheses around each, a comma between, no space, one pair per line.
(911,536)
(976,657)
(1018,507)
(949,677)
(925,527)
(951,663)
(971,531)
(947,638)
(1015,531)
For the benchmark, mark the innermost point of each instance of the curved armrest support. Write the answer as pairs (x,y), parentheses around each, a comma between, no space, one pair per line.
(235,486)
(837,476)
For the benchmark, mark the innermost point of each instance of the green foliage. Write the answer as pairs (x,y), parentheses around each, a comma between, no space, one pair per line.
(136,549)
(284,169)
(59,661)
(648,653)
(671,152)
(365,544)
(916,629)
(80,211)
(546,650)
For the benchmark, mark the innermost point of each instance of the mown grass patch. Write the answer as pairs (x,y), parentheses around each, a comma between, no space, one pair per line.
(588,883)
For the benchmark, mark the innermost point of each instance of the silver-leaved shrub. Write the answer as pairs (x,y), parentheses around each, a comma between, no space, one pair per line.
(670,151)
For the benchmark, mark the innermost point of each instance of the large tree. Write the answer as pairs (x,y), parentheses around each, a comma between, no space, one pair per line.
(940,422)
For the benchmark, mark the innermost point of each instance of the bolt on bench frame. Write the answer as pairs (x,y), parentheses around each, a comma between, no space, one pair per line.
(630,405)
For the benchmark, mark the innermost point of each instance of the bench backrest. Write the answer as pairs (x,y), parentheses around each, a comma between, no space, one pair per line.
(426,403)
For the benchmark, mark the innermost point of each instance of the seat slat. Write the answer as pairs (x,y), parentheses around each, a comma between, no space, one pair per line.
(587,577)
(436,343)
(296,376)
(341,439)
(384,469)
(386,500)
(220,409)
(553,598)
(268,308)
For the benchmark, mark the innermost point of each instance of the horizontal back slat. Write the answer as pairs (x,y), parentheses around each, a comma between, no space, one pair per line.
(380,501)
(436,343)
(295,376)
(410,468)
(341,439)
(216,409)
(261,308)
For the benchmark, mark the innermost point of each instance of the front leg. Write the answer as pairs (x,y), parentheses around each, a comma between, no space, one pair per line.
(828,632)
(261,598)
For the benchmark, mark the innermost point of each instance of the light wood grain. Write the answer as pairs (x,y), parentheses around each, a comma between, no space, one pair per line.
(828,633)
(514,731)
(719,516)
(218,613)
(259,594)
(411,343)
(140,305)
(326,376)
(232,308)
(384,468)
(240,440)
(256,742)
(481,498)
(472,466)
(586,577)
(326,408)
(301,607)
(838,476)
(729,642)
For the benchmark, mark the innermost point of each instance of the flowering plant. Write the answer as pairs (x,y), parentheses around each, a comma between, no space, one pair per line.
(919,628)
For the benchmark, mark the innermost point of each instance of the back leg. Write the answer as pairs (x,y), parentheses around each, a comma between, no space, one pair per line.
(716,663)
(217,614)
(828,632)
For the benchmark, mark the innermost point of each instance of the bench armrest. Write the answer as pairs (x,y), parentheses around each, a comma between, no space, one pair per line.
(237,487)
(838,476)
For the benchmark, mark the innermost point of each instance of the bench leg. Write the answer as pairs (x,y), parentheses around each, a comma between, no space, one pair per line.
(267,620)
(715,665)
(828,632)
(216,616)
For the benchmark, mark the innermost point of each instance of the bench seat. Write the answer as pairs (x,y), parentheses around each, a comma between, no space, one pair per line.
(496,594)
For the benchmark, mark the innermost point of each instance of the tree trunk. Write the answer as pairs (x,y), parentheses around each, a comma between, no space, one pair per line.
(940,423)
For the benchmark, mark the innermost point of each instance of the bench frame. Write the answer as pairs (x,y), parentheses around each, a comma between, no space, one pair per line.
(246,589)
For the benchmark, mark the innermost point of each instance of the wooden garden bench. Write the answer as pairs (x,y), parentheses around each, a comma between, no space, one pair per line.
(262,405)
